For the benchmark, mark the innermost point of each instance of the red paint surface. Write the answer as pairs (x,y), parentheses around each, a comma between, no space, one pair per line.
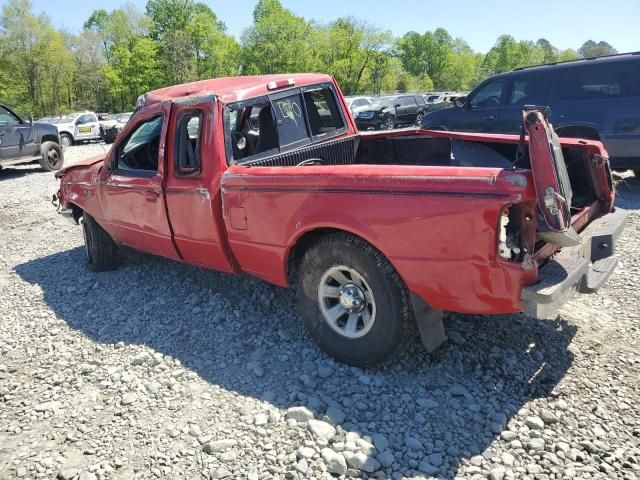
(437,225)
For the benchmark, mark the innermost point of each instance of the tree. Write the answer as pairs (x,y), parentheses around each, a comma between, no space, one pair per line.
(350,50)
(508,54)
(278,41)
(591,49)
(550,53)
(428,54)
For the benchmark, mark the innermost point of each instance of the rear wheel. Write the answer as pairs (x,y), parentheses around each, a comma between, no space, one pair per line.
(352,301)
(637,173)
(419,119)
(52,156)
(101,252)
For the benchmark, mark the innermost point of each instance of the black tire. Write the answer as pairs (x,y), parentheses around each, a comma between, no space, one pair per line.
(392,323)
(66,140)
(637,173)
(388,123)
(101,252)
(419,119)
(52,157)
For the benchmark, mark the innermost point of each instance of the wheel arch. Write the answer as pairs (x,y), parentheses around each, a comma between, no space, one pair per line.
(50,138)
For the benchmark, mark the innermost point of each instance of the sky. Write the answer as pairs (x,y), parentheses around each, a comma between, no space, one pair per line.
(566,24)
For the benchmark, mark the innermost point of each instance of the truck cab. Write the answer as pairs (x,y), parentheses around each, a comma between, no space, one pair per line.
(268,176)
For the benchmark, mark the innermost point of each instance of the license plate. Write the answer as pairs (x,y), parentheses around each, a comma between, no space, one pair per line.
(87,129)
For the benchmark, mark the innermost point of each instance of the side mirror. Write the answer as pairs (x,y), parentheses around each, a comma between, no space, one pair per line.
(460,102)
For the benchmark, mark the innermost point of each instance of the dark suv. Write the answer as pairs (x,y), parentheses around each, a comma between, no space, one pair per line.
(595,98)
(23,140)
(392,111)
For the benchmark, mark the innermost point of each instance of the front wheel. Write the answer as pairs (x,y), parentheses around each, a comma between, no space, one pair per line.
(352,301)
(52,157)
(66,140)
(101,252)
(388,123)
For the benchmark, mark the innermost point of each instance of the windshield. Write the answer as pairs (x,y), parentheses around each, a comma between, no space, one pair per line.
(388,102)
(66,119)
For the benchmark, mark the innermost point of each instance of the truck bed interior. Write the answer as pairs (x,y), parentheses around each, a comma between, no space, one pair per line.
(416,149)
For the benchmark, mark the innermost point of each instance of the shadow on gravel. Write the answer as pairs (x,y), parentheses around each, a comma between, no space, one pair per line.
(7,173)
(244,336)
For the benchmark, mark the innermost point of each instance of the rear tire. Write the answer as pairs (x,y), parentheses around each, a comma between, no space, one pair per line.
(419,119)
(101,252)
(52,156)
(637,173)
(380,327)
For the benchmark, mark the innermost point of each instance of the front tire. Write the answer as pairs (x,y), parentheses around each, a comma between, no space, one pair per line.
(352,301)
(52,156)
(66,140)
(388,123)
(101,252)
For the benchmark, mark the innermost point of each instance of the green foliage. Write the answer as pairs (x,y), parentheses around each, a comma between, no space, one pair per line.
(125,52)
(278,41)
(591,49)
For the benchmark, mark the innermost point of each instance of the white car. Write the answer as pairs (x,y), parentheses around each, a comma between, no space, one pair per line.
(78,127)
(356,104)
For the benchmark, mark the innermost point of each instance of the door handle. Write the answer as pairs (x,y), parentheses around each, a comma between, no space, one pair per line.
(490,117)
(151,196)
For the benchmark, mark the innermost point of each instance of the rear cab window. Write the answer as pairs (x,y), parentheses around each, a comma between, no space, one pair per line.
(282,121)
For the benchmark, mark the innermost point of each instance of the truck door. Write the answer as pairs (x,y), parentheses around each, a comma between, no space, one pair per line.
(130,184)
(16,136)
(192,188)
(87,127)
(527,88)
(480,113)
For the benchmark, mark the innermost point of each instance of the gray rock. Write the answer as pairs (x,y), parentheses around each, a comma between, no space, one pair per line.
(299,414)
(413,443)
(86,476)
(548,417)
(508,436)
(261,419)
(129,398)
(334,415)
(535,444)
(324,371)
(335,461)
(321,429)
(47,406)
(219,445)
(534,423)
(380,441)
(427,403)
(426,467)
(219,473)
(306,452)
(386,459)
(507,459)
(458,390)
(362,461)
(228,457)
(497,473)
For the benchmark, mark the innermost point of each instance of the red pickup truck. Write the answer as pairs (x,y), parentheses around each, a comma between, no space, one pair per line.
(377,232)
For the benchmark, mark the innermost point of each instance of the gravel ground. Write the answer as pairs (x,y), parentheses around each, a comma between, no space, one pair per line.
(169,371)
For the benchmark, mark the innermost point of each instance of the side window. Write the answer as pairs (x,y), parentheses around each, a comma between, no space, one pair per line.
(86,118)
(488,96)
(527,90)
(322,110)
(292,127)
(604,80)
(7,118)
(187,150)
(420,99)
(139,152)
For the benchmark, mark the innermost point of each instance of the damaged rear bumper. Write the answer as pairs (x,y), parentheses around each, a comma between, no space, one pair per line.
(580,269)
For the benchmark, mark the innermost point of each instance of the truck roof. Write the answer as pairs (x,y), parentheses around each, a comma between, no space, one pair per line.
(231,89)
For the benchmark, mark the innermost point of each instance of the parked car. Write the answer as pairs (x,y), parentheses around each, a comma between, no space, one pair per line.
(392,111)
(268,176)
(24,140)
(78,127)
(357,104)
(114,125)
(596,99)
